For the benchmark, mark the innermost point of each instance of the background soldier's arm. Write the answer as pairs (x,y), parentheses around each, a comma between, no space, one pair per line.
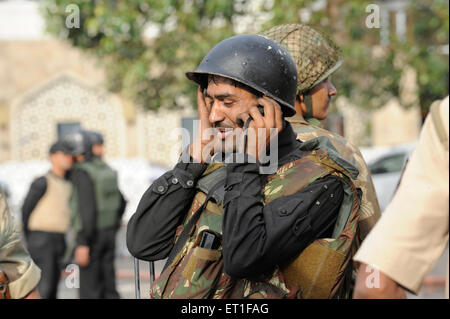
(151,230)
(37,190)
(87,207)
(123,205)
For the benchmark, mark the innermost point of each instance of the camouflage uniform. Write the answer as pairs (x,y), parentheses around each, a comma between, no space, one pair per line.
(370,210)
(197,272)
(22,272)
(317,57)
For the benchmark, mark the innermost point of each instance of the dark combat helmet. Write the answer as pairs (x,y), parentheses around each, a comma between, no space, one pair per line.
(77,142)
(256,61)
(95,137)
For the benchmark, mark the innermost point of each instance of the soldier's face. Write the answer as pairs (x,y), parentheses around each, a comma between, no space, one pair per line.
(98,150)
(321,95)
(226,103)
(61,161)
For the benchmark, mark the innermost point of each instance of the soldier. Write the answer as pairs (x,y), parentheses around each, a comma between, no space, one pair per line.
(107,233)
(413,231)
(97,140)
(19,275)
(228,230)
(97,207)
(46,219)
(317,59)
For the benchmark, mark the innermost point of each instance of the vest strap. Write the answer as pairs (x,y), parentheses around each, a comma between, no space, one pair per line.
(185,234)
(307,98)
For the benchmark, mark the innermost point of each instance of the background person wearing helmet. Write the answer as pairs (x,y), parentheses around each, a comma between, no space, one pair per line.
(234,227)
(97,140)
(317,58)
(108,217)
(96,203)
(46,219)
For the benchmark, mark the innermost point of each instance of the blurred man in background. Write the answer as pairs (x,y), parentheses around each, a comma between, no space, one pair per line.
(97,140)
(97,207)
(46,219)
(413,232)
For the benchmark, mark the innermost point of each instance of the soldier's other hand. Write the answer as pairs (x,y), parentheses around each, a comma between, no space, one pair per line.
(372,283)
(34,294)
(82,257)
(204,131)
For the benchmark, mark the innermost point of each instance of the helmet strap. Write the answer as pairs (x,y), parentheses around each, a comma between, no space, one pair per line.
(307,99)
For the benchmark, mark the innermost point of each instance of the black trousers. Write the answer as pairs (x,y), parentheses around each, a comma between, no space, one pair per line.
(47,250)
(98,278)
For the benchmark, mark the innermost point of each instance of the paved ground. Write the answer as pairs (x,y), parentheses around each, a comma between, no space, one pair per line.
(433,288)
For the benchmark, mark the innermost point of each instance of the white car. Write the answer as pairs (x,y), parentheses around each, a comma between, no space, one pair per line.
(386,166)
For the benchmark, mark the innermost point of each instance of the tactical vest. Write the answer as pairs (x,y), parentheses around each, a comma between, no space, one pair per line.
(107,195)
(52,212)
(197,272)
(370,211)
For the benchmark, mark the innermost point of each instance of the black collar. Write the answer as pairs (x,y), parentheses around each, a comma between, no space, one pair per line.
(288,145)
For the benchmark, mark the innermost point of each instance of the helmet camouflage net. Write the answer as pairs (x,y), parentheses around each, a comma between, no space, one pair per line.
(315,55)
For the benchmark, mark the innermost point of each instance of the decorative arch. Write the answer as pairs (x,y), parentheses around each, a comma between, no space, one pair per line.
(65,98)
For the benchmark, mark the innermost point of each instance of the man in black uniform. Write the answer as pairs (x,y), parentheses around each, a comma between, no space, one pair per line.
(97,207)
(46,219)
(255,233)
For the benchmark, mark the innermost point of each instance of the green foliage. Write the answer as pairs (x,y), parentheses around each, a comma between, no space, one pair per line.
(430,26)
(371,72)
(152,73)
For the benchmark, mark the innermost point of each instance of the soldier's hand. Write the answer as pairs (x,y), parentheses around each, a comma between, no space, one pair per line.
(205,133)
(82,257)
(34,294)
(263,129)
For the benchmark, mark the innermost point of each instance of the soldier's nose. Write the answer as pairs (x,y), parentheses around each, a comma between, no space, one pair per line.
(331,89)
(215,115)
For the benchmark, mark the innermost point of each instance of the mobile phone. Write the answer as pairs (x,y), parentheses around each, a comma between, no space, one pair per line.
(240,122)
(209,241)
(261,109)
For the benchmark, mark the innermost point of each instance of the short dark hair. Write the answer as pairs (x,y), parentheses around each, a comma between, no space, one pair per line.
(58,147)
(213,77)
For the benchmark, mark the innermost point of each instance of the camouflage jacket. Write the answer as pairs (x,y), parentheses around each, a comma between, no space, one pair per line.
(197,272)
(370,209)
(15,261)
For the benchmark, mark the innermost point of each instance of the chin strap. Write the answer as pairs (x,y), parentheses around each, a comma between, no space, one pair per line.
(307,99)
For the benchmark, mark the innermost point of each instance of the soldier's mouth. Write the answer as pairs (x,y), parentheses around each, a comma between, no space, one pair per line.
(223,133)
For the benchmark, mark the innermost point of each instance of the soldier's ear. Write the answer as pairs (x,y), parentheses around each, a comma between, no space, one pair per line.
(300,106)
